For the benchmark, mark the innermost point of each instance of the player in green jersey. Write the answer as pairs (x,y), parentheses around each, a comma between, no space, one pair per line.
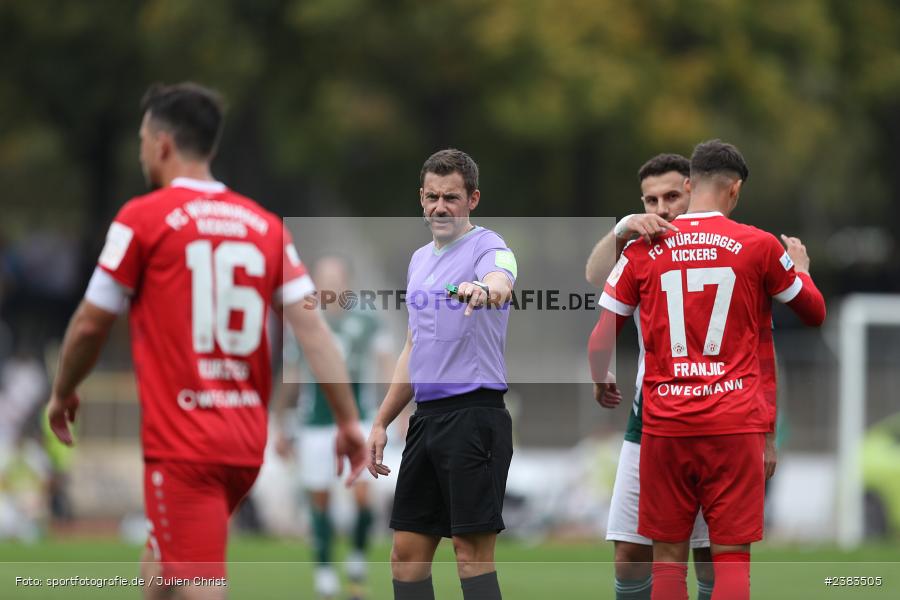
(310,438)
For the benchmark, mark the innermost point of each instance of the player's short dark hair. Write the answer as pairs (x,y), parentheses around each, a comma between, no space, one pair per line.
(191,112)
(715,157)
(664,163)
(451,160)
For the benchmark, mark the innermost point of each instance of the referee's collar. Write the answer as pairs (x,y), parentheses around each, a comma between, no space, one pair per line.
(700,215)
(443,249)
(199,185)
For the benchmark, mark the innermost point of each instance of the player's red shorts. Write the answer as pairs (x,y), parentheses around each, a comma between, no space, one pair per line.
(723,474)
(188,505)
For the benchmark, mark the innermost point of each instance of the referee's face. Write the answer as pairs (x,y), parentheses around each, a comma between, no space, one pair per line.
(446,205)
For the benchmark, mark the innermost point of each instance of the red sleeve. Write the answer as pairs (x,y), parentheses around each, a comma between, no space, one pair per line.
(294,283)
(602,343)
(808,304)
(123,254)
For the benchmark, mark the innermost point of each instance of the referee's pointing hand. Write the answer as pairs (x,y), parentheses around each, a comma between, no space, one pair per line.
(472,294)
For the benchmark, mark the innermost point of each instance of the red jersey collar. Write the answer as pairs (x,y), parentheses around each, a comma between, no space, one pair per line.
(199,185)
(700,215)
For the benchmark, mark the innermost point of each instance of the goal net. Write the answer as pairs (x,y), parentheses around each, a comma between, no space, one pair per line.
(860,316)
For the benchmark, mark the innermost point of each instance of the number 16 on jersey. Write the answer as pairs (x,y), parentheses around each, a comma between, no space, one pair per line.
(214,296)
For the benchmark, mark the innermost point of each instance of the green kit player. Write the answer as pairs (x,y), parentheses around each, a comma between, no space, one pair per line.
(365,348)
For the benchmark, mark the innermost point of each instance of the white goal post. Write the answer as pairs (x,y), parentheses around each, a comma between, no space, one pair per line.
(858,312)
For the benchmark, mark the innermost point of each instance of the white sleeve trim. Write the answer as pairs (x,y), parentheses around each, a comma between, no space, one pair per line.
(619,229)
(791,292)
(103,291)
(294,290)
(620,308)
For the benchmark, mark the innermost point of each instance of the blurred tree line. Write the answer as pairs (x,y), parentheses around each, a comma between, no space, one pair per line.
(334,104)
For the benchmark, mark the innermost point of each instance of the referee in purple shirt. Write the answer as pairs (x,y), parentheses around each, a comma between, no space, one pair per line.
(459,446)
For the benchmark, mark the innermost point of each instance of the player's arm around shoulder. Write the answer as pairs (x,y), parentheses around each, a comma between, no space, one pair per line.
(602,258)
(646,226)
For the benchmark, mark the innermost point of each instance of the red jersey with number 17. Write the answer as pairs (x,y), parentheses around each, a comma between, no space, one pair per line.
(701,290)
(203,265)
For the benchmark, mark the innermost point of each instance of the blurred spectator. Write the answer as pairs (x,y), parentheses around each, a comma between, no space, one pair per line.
(24,468)
(23,386)
(40,281)
(59,458)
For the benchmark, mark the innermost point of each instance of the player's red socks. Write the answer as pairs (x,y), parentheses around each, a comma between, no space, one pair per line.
(732,576)
(669,581)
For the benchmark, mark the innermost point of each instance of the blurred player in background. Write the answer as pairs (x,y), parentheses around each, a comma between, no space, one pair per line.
(200,266)
(704,421)
(365,346)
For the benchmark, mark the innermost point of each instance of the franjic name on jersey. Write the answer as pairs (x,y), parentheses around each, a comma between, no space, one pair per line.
(699,369)
(699,238)
(217,217)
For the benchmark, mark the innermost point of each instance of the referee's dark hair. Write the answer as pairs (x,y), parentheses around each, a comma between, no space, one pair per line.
(715,157)
(451,160)
(190,112)
(664,163)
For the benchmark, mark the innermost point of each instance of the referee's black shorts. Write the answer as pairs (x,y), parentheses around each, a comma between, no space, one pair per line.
(453,475)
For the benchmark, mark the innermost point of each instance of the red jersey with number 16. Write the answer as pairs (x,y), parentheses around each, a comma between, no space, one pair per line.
(700,291)
(203,265)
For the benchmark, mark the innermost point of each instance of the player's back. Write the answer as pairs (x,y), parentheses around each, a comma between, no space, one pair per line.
(700,293)
(204,264)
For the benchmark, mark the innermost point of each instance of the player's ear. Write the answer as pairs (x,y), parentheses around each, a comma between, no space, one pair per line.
(687,185)
(422,197)
(736,188)
(166,145)
(473,200)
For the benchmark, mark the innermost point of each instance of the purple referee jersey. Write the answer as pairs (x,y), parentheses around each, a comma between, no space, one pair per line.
(451,353)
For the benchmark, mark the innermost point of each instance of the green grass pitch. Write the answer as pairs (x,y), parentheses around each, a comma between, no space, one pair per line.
(262,569)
